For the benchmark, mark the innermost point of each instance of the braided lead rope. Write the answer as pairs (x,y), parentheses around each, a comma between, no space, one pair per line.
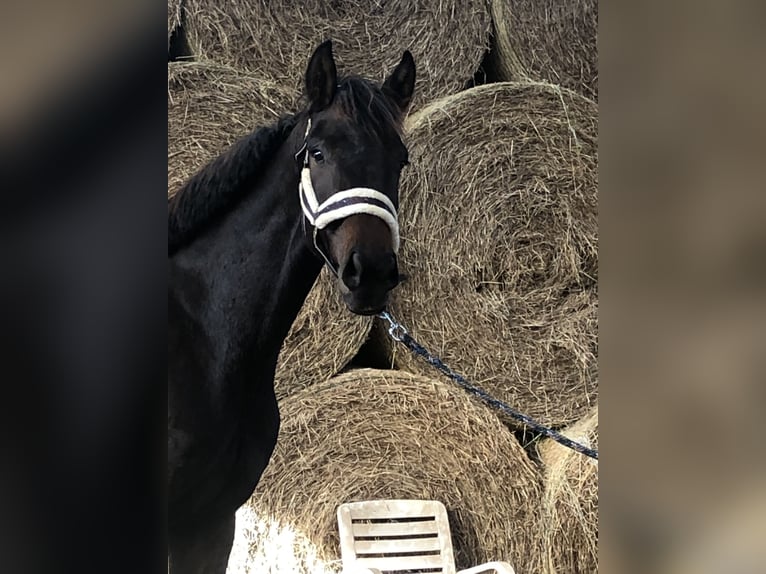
(398,333)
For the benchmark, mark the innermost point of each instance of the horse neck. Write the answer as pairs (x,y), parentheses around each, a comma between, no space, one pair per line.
(243,282)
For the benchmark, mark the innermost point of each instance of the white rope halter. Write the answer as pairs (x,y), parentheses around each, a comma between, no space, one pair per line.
(342,204)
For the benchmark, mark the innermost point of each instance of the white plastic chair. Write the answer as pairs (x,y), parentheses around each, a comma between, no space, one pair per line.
(397,536)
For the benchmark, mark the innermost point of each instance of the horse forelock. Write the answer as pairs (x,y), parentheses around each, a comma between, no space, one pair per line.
(364,102)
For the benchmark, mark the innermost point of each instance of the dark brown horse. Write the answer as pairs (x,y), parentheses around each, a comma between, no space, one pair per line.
(247,237)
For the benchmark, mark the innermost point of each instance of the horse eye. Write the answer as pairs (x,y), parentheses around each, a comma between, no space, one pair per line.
(317,155)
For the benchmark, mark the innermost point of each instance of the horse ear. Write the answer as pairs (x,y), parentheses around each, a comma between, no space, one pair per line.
(400,85)
(321,77)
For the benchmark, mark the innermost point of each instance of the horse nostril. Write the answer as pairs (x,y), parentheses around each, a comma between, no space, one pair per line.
(352,271)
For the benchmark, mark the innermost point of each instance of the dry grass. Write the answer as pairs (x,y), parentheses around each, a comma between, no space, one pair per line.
(384,434)
(569,517)
(275,39)
(499,237)
(209,107)
(550,40)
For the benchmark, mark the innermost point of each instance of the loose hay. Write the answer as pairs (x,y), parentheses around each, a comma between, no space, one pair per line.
(499,238)
(447,37)
(209,107)
(569,517)
(372,434)
(551,40)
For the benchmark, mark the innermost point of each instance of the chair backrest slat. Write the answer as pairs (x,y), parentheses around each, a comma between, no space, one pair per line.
(389,509)
(395,529)
(403,563)
(397,546)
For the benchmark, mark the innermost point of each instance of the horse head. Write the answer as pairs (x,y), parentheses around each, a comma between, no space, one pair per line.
(352,157)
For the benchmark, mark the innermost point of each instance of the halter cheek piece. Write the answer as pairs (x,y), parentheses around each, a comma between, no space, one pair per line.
(342,204)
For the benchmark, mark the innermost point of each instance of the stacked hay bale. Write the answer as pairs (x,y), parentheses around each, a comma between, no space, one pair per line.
(550,40)
(499,239)
(209,107)
(568,525)
(372,434)
(274,39)
(323,339)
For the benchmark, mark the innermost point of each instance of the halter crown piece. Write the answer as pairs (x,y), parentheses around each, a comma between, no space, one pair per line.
(342,204)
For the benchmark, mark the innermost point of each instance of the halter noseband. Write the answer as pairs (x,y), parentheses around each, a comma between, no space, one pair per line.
(342,204)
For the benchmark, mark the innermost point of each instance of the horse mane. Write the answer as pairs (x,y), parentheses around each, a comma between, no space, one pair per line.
(219,185)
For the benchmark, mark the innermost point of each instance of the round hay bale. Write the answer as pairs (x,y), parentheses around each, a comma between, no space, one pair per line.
(209,107)
(550,40)
(323,339)
(275,39)
(569,513)
(371,434)
(499,239)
